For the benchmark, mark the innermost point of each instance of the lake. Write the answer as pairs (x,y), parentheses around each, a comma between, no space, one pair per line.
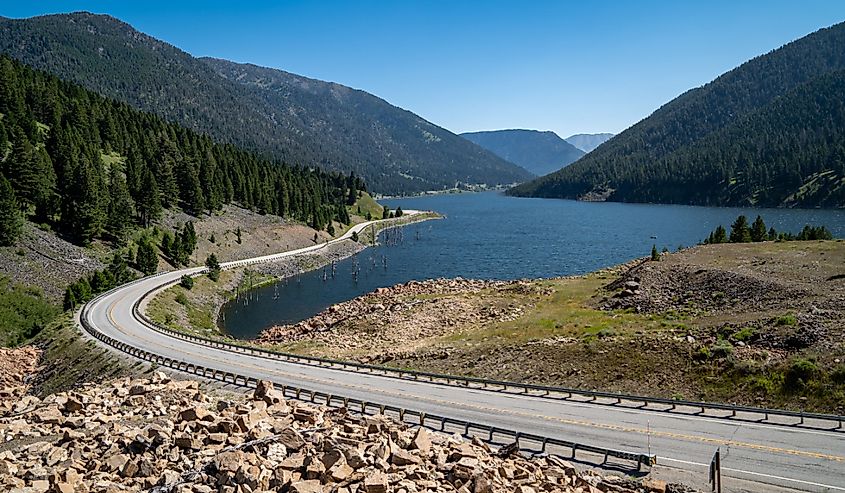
(491,236)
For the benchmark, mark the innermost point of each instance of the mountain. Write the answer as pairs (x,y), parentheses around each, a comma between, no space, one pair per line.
(538,152)
(95,168)
(292,118)
(770,132)
(588,142)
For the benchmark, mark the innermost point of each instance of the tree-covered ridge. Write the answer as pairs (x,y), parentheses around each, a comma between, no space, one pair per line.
(93,167)
(291,118)
(768,133)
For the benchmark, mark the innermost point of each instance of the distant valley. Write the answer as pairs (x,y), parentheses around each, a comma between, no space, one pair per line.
(538,152)
(588,142)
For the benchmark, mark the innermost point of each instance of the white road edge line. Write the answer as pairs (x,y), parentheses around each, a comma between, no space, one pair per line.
(752,473)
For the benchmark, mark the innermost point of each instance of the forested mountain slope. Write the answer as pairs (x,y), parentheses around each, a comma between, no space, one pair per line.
(538,152)
(92,167)
(291,118)
(769,133)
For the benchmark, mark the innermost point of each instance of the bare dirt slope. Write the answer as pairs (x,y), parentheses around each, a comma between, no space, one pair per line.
(757,323)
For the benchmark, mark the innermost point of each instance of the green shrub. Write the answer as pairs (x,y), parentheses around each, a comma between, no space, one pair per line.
(601,334)
(702,354)
(788,319)
(722,349)
(744,334)
(187,282)
(838,374)
(800,373)
(24,312)
(181,298)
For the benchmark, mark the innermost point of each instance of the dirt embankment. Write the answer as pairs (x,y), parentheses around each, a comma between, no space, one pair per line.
(163,435)
(758,324)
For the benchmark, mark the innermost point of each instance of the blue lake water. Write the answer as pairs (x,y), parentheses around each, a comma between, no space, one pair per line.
(491,236)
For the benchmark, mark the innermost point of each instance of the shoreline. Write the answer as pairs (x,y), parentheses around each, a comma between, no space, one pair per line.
(294,263)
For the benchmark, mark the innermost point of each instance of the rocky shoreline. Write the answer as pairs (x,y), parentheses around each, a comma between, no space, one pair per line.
(387,314)
(163,435)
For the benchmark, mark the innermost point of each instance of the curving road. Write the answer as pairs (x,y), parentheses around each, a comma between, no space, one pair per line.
(755,456)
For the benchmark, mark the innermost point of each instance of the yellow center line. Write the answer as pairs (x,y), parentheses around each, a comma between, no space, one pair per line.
(589,424)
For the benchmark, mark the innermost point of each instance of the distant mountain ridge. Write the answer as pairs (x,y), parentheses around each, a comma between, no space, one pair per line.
(588,142)
(770,132)
(538,152)
(298,120)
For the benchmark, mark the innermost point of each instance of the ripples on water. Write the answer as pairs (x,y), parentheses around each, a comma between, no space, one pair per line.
(491,236)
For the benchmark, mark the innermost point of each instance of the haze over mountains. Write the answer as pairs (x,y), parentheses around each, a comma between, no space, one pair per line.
(588,142)
(295,119)
(771,132)
(538,152)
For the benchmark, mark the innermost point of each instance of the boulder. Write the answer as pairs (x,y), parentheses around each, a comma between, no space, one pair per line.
(307,486)
(376,483)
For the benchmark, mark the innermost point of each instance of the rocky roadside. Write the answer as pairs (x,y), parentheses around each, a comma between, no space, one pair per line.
(165,435)
(405,316)
(17,367)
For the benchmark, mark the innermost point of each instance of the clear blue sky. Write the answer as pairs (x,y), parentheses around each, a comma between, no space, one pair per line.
(590,66)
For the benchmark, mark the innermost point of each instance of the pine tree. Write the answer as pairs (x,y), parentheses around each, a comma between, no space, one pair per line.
(655,256)
(85,208)
(46,198)
(148,202)
(720,235)
(21,170)
(165,175)
(70,301)
(213,267)
(758,230)
(147,260)
(739,231)
(120,210)
(11,222)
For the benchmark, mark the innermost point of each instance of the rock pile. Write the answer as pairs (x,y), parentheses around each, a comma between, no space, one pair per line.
(16,367)
(167,436)
(655,287)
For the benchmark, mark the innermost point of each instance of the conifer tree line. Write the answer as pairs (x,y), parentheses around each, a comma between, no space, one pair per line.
(741,232)
(54,134)
(84,289)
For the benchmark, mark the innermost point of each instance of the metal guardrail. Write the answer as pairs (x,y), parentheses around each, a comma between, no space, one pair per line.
(432,421)
(483,383)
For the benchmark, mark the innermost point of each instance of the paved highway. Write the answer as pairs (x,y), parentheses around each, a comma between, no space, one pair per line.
(767,455)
